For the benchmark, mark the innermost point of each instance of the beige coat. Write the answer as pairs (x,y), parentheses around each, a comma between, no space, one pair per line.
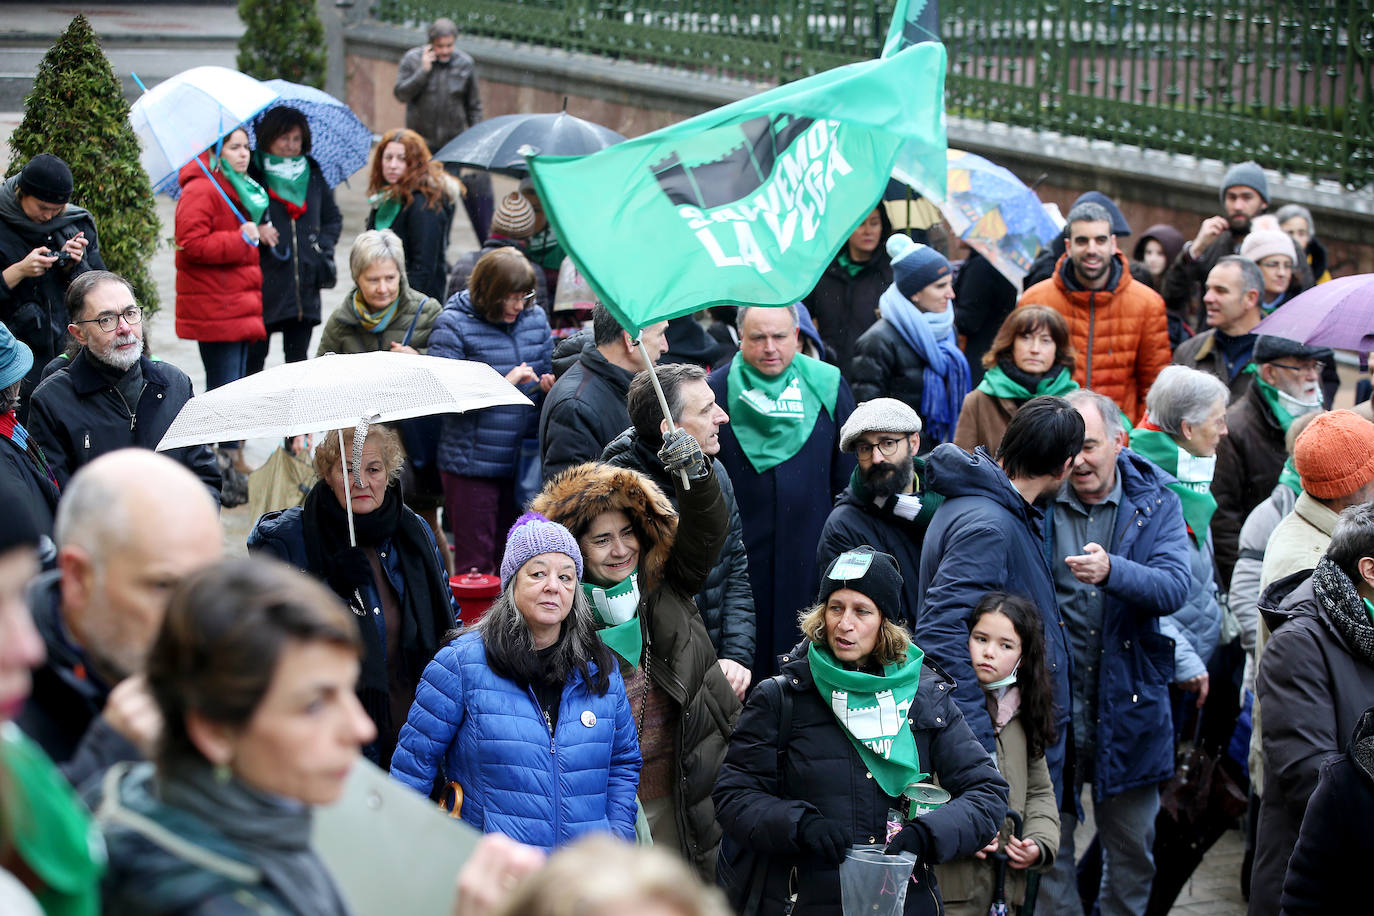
(967,885)
(1299,541)
(982,420)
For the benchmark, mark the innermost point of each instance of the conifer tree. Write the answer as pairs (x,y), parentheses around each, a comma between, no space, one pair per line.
(282,39)
(77,112)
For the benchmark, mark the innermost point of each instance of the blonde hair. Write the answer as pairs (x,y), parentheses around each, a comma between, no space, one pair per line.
(890,648)
(596,873)
(386,438)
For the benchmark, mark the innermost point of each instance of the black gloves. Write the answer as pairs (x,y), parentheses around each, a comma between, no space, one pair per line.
(914,837)
(823,837)
(681,452)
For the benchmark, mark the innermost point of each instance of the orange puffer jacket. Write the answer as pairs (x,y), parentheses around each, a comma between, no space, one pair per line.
(1121,333)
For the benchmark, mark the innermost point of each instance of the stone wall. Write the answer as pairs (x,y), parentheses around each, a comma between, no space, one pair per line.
(633,99)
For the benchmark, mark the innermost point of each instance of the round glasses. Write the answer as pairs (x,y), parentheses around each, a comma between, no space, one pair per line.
(110,320)
(886,446)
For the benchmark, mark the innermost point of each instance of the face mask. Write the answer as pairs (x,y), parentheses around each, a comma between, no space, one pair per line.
(1004,682)
(1297,407)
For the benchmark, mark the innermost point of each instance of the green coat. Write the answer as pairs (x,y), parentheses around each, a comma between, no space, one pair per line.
(967,885)
(343,334)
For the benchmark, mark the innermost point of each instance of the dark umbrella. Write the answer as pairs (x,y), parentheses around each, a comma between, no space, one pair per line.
(500,144)
(1338,313)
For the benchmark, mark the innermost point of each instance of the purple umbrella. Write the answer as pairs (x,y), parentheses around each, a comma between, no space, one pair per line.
(1338,314)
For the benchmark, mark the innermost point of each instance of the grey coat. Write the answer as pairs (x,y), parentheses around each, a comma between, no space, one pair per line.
(442,103)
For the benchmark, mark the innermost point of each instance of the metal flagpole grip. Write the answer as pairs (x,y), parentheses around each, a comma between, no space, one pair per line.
(662,402)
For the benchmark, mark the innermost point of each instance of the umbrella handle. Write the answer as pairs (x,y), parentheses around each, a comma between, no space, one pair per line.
(348,495)
(662,402)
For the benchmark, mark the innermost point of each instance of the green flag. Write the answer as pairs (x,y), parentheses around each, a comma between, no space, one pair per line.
(747,203)
(913,21)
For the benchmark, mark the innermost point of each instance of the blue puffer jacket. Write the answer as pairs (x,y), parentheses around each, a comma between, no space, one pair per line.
(985,537)
(486,443)
(1195,626)
(488,735)
(1149,579)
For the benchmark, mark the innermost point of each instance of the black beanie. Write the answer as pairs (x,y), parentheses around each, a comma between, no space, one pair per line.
(869,571)
(47,178)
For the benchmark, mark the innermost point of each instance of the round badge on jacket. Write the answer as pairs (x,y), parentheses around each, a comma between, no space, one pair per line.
(588,718)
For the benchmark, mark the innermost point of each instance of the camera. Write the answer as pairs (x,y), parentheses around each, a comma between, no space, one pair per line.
(64,257)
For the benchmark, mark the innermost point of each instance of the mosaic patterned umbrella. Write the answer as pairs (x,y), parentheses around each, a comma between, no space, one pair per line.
(340,142)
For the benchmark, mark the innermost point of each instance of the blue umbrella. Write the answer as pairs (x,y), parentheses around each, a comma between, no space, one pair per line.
(339,142)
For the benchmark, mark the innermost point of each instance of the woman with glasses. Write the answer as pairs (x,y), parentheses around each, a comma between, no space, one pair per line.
(1030,356)
(1277,256)
(494,321)
(413,197)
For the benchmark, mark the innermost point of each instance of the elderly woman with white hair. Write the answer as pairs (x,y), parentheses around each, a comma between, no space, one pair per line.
(1185,419)
(382,311)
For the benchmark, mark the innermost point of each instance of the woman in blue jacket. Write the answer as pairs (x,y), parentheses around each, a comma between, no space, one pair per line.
(525,714)
(494,321)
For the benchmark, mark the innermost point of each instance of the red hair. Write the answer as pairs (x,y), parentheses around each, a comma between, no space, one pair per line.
(423,173)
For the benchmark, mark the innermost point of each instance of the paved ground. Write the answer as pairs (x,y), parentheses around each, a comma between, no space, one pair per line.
(164,39)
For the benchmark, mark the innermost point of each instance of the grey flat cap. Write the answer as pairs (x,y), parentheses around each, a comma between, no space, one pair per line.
(880,415)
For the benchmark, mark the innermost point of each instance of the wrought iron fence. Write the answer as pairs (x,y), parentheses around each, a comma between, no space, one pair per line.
(1288,83)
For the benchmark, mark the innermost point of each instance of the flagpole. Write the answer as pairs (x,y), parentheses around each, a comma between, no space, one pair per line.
(662,401)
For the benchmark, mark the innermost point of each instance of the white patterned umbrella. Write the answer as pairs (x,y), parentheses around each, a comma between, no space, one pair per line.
(336,391)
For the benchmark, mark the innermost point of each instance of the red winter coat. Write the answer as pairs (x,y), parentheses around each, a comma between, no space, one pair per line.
(219,280)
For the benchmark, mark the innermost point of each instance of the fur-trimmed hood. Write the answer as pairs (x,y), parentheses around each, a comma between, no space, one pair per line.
(577,496)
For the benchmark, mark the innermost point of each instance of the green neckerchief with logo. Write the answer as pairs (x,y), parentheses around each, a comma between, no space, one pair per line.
(48,828)
(998,384)
(251,196)
(773,417)
(1270,395)
(872,710)
(288,177)
(385,209)
(373,322)
(1289,476)
(617,612)
(1196,495)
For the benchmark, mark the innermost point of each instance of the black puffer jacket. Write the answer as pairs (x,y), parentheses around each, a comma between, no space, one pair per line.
(302,262)
(843,306)
(726,601)
(886,366)
(584,410)
(822,773)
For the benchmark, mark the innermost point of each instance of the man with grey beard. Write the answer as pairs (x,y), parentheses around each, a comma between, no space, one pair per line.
(111,396)
(885,505)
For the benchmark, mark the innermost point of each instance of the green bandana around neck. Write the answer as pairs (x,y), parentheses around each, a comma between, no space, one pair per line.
(872,710)
(1195,495)
(773,417)
(850,266)
(617,612)
(1289,476)
(45,823)
(385,210)
(998,384)
(374,322)
(286,176)
(251,196)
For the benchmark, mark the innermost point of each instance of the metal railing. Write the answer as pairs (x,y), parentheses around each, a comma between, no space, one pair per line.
(1289,83)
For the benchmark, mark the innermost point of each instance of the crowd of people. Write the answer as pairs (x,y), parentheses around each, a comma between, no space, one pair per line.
(922,562)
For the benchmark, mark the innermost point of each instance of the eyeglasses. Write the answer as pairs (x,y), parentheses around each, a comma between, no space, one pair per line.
(526,298)
(1316,367)
(886,445)
(110,320)
(1276,264)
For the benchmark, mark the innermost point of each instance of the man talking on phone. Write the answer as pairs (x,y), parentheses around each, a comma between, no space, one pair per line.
(45,243)
(438,84)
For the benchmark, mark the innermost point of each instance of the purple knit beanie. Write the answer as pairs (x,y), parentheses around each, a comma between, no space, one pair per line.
(531,535)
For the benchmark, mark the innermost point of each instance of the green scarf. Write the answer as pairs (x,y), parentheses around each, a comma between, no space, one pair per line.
(617,610)
(876,705)
(848,264)
(45,823)
(773,417)
(998,384)
(288,177)
(251,195)
(1196,495)
(1369,609)
(374,322)
(385,209)
(1289,476)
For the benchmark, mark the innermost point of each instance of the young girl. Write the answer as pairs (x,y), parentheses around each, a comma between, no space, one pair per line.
(1007,646)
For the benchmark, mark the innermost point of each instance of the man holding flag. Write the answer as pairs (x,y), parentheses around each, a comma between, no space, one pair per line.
(782,451)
